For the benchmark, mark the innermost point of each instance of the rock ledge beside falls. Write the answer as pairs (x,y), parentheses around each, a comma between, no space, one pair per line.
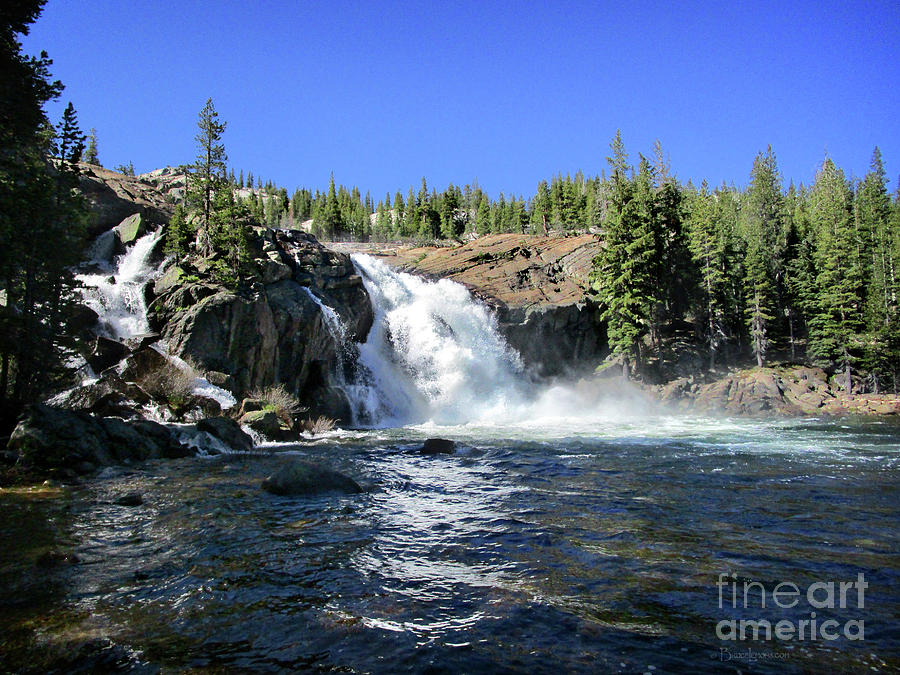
(53,441)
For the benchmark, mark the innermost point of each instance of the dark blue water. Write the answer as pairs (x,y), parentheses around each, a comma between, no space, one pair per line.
(569,554)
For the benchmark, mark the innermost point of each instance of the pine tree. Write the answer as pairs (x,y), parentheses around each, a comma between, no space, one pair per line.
(837,316)
(498,216)
(483,219)
(872,211)
(328,221)
(229,236)
(41,221)
(620,271)
(708,245)
(179,234)
(451,227)
(763,220)
(410,223)
(208,173)
(543,206)
(90,154)
(126,169)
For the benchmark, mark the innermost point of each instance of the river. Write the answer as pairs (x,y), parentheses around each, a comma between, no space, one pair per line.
(587,553)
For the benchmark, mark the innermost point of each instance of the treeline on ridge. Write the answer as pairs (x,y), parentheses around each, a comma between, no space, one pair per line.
(807,273)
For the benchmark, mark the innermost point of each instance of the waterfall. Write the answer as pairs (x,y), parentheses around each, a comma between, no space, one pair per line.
(435,356)
(117,295)
(332,321)
(434,353)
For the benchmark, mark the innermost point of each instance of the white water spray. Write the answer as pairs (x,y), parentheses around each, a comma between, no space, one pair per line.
(117,294)
(435,357)
(433,353)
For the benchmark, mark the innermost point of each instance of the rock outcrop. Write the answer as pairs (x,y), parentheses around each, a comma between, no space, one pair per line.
(277,329)
(537,285)
(788,390)
(112,197)
(50,439)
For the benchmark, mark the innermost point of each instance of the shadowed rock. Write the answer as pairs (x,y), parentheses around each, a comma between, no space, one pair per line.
(49,439)
(228,431)
(438,446)
(298,478)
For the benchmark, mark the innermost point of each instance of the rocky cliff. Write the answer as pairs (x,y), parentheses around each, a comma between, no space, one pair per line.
(288,323)
(112,197)
(274,330)
(537,285)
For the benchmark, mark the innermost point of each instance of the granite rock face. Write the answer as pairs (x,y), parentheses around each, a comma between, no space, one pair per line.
(113,197)
(785,390)
(277,329)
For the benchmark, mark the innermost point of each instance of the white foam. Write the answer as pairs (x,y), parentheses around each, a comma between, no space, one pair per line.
(118,297)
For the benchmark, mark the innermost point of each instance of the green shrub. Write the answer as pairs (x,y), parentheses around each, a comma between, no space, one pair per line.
(278,399)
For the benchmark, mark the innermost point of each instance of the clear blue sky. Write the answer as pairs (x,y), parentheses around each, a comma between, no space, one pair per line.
(505,93)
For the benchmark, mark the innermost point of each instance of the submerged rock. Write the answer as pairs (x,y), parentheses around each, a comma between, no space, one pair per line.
(130,499)
(301,478)
(438,446)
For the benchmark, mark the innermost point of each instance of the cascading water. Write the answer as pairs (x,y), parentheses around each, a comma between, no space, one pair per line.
(434,353)
(116,294)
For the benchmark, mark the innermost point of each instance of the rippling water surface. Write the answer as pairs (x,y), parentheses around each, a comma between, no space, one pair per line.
(529,549)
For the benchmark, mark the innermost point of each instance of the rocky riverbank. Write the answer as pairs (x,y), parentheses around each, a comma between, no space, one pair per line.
(781,390)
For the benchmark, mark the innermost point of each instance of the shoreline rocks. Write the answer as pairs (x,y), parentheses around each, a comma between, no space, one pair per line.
(789,391)
(50,441)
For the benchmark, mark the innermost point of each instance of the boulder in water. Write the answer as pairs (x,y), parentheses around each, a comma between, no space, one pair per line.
(106,353)
(301,478)
(264,422)
(438,446)
(228,431)
(130,499)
